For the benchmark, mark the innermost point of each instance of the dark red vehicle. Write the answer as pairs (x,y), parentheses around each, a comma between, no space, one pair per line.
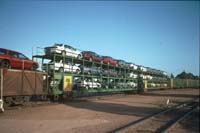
(92,56)
(110,60)
(13,59)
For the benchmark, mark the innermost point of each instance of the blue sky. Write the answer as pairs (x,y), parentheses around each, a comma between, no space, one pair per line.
(159,34)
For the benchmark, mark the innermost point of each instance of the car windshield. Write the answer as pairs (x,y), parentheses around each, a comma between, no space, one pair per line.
(97,55)
(2,51)
(90,52)
(69,47)
(58,44)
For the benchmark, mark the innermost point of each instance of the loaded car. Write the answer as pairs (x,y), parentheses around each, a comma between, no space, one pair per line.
(123,63)
(60,66)
(14,59)
(132,75)
(86,83)
(133,66)
(142,68)
(108,84)
(63,49)
(109,72)
(90,70)
(131,84)
(110,60)
(91,56)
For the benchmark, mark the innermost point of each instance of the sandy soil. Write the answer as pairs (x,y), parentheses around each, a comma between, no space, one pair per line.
(97,114)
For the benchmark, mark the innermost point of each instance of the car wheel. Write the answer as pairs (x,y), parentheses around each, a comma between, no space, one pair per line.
(77,71)
(87,87)
(5,64)
(107,87)
(33,67)
(88,72)
(79,56)
(61,70)
(63,53)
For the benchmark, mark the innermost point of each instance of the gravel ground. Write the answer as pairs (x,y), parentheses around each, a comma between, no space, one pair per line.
(97,114)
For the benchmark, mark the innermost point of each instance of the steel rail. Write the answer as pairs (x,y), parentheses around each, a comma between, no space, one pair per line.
(173,124)
(136,123)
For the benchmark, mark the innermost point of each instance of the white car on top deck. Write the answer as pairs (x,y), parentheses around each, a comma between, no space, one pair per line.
(63,49)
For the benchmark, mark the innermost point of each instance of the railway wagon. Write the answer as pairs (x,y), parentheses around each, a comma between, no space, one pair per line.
(18,86)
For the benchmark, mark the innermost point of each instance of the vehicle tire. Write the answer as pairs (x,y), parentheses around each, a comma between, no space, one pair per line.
(77,71)
(5,64)
(79,56)
(88,72)
(87,87)
(61,70)
(63,53)
(33,67)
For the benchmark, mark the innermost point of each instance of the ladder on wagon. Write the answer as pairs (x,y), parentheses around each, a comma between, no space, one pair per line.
(1,91)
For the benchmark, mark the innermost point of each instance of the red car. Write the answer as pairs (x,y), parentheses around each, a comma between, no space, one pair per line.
(110,60)
(92,56)
(13,59)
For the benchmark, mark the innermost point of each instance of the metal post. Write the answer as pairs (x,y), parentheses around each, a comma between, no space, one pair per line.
(171,83)
(1,99)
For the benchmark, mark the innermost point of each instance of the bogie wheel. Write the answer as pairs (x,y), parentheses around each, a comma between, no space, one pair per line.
(5,64)
(8,102)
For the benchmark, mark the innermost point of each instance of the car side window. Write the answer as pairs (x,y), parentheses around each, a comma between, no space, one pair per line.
(13,54)
(22,56)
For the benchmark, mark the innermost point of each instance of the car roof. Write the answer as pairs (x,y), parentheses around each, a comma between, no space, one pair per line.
(9,50)
(107,56)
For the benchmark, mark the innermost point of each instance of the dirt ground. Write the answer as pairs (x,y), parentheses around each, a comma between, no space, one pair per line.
(97,114)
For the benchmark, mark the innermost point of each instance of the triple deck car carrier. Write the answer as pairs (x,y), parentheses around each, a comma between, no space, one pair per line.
(63,82)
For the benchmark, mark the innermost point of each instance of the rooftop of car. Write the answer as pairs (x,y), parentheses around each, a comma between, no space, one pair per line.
(9,50)
(89,52)
(107,57)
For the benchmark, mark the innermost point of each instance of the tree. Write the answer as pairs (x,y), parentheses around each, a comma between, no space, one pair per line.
(172,76)
(184,75)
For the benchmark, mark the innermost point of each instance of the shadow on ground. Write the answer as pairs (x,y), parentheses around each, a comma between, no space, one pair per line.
(171,95)
(113,108)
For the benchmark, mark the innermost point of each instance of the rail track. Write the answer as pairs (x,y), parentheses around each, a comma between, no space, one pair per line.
(162,122)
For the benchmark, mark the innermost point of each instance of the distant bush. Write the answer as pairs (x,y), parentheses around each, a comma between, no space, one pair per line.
(185,75)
